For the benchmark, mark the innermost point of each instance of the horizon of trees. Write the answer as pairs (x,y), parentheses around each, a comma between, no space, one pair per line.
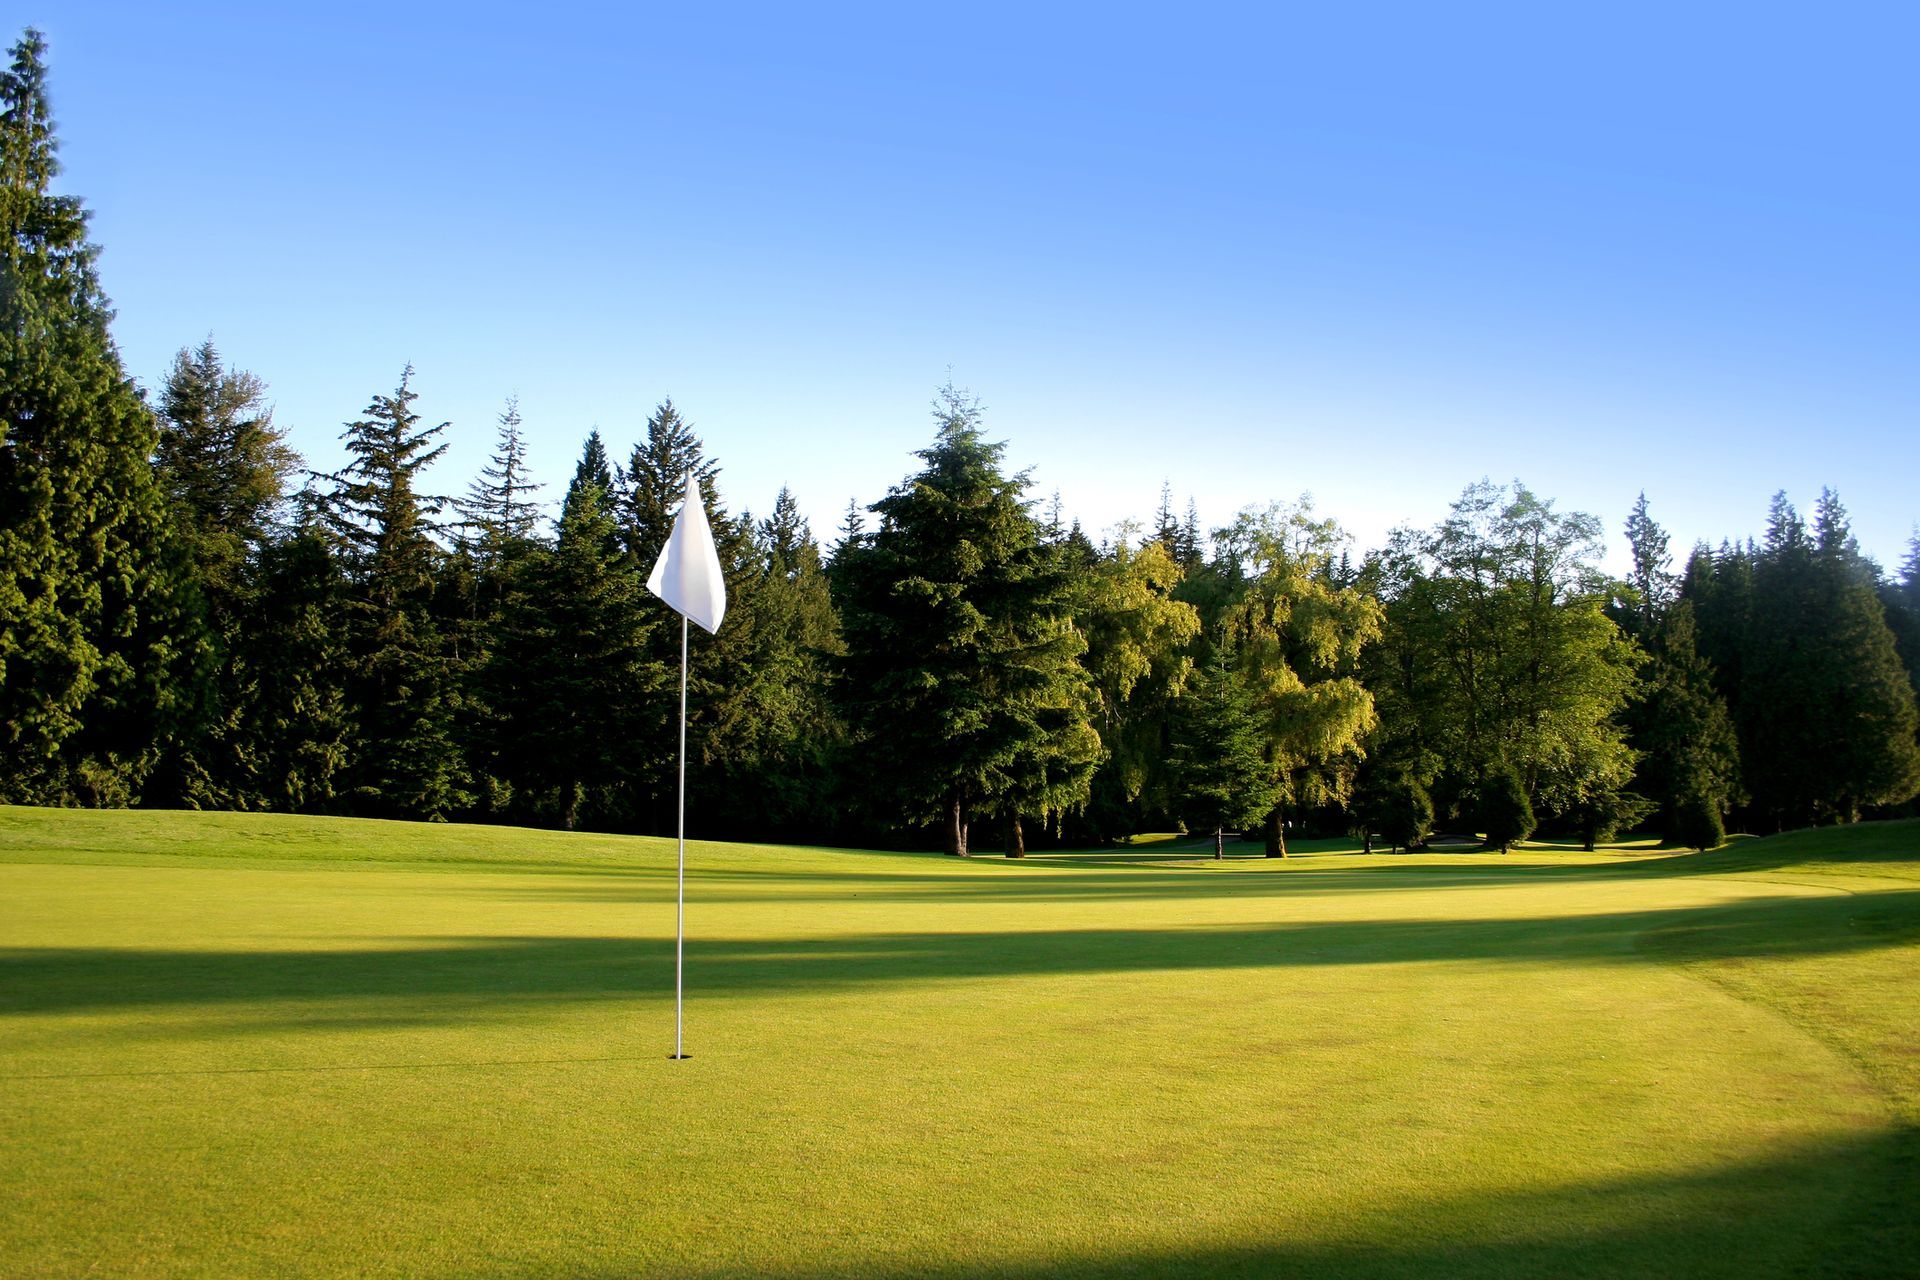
(188,617)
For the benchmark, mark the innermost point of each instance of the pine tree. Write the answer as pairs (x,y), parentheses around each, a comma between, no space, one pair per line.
(224,467)
(499,509)
(291,728)
(96,612)
(961,665)
(406,761)
(656,479)
(1690,753)
(1505,812)
(1217,752)
(1652,584)
(581,710)
(1828,718)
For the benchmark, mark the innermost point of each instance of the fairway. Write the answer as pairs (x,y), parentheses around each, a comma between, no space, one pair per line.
(235,1045)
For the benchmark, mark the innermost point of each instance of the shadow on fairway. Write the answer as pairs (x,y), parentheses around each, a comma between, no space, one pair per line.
(457,978)
(1842,1209)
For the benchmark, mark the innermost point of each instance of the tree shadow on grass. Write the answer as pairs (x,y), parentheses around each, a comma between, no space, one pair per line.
(464,970)
(1820,1212)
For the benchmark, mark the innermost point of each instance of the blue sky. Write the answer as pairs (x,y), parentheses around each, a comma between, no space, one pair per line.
(1371,252)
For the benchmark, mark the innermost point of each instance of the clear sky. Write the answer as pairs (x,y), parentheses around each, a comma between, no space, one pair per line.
(1372,252)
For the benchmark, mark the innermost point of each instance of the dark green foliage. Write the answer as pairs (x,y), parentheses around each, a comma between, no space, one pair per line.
(773,746)
(1220,775)
(1682,728)
(580,713)
(1505,813)
(97,615)
(224,468)
(499,511)
(406,761)
(1602,816)
(1697,823)
(1827,713)
(962,670)
(1401,810)
(291,728)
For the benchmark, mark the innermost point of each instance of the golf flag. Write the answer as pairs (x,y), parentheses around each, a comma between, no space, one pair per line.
(687,574)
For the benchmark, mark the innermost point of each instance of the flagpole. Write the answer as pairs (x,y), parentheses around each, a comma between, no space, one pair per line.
(680,920)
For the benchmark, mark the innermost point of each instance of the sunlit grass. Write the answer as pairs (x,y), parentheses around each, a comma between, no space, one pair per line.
(255,1045)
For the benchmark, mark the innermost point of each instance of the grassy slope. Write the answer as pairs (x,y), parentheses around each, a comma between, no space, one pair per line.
(297,1046)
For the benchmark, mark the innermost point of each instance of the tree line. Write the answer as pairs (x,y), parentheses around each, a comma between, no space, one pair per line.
(189,617)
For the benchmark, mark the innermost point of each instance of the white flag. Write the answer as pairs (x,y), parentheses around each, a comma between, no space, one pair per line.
(687,574)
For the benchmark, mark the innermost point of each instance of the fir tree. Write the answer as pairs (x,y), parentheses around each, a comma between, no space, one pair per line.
(1217,752)
(406,762)
(96,630)
(499,510)
(224,468)
(581,712)
(1505,812)
(961,656)
(1828,718)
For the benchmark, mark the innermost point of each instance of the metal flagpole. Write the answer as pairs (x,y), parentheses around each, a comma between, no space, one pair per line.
(680,922)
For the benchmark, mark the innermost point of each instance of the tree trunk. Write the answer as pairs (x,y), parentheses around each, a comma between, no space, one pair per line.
(1016,838)
(1366,836)
(957,828)
(571,814)
(1219,844)
(1276,834)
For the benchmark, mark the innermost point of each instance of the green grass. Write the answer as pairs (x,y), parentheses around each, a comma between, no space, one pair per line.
(282,1046)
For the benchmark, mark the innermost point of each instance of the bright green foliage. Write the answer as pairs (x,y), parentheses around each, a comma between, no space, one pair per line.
(1217,758)
(1499,652)
(962,670)
(96,629)
(1137,638)
(405,760)
(1297,636)
(1827,713)
(1503,808)
(1651,585)
(579,710)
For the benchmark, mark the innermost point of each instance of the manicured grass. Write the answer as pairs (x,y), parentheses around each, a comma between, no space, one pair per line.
(283,1046)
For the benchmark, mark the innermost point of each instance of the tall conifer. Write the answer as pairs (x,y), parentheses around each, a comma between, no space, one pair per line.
(94,606)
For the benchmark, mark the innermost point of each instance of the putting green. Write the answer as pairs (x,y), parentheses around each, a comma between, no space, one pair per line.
(271,1045)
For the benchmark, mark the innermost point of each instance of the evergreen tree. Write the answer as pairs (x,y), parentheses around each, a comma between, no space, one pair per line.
(1505,812)
(1400,809)
(499,509)
(1697,823)
(581,711)
(1217,753)
(96,634)
(656,479)
(1652,584)
(291,729)
(775,735)
(406,762)
(1690,753)
(961,665)
(1828,718)
(224,468)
